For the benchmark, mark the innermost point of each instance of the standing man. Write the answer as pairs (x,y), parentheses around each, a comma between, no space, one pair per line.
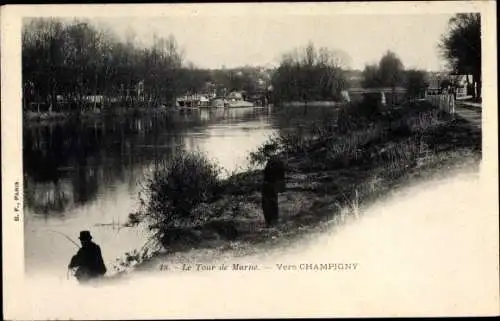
(274,183)
(88,260)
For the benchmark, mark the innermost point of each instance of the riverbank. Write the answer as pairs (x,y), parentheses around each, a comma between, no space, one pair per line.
(311,104)
(34,117)
(335,168)
(47,118)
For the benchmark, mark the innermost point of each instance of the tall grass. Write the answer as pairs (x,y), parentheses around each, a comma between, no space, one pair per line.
(353,137)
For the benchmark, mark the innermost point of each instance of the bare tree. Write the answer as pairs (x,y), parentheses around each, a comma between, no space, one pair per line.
(76,59)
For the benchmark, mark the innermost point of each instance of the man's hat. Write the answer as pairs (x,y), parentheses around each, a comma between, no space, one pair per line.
(85,236)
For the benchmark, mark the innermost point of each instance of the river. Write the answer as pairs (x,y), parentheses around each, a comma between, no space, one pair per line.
(87,175)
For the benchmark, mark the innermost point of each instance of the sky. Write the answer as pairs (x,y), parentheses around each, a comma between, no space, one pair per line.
(232,41)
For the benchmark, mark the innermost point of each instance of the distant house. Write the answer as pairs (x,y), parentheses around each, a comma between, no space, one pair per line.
(461,82)
(209,90)
(437,79)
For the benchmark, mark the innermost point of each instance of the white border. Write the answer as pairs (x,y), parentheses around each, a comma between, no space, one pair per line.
(12,232)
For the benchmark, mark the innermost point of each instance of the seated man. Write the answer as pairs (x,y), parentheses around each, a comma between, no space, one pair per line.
(88,260)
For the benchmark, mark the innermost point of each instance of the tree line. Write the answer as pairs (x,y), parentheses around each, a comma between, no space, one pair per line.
(460,46)
(390,73)
(309,74)
(75,59)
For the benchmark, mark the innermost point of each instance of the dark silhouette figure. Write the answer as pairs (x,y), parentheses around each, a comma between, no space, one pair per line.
(274,183)
(88,260)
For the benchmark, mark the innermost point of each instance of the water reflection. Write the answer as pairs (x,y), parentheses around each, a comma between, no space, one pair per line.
(71,164)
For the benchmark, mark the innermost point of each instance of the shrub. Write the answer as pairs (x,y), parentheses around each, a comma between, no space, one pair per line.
(270,148)
(177,187)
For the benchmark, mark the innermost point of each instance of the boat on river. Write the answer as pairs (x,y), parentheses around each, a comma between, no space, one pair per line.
(235,100)
(218,103)
(194,101)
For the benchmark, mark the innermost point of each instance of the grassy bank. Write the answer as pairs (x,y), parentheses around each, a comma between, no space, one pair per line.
(336,164)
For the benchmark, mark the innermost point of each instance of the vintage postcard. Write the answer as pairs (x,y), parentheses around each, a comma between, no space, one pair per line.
(249,160)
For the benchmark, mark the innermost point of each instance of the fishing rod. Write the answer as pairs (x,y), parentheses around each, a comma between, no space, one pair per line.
(67,237)
(71,240)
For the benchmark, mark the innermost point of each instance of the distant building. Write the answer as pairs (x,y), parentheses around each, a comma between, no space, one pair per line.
(438,79)
(435,80)
(461,82)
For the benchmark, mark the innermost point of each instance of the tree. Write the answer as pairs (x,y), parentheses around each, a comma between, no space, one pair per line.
(391,70)
(388,73)
(416,82)
(43,57)
(82,55)
(370,77)
(461,46)
(76,59)
(307,74)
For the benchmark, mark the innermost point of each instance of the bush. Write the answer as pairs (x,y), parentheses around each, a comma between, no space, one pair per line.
(270,148)
(177,187)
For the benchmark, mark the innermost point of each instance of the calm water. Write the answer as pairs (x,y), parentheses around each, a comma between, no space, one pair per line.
(88,175)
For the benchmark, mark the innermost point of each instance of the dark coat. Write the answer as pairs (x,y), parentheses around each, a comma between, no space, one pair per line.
(274,173)
(89,261)
(274,183)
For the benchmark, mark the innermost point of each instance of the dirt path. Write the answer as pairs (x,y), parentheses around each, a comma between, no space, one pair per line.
(469,112)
